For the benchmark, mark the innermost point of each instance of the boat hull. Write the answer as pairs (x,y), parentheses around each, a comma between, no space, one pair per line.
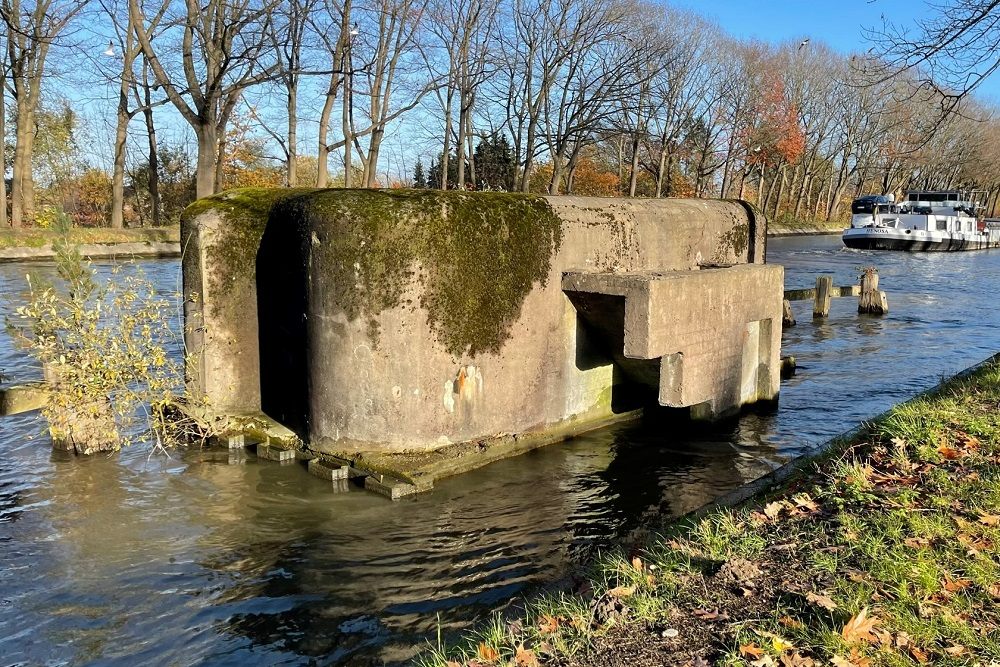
(891,239)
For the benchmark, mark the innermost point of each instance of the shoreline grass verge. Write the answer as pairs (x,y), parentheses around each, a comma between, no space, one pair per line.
(881,551)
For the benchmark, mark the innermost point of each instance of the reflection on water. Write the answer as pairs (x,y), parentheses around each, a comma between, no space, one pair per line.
(209,557)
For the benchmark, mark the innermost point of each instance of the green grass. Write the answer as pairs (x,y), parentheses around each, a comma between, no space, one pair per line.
(899,525)
(37,238)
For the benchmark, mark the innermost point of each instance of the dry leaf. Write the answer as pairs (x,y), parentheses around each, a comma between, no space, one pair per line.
(949,453)
(772,510)
(854,660)
(860,628)
(525,658)
(796,660)
(637,564)
(989,519)
(919,655)
(765,661)
(804,501)
(957,649)
(486,652)
(548,624)
(822,600)
(780,645)
(954,585)
(621,592)
(790,622)
(751,651)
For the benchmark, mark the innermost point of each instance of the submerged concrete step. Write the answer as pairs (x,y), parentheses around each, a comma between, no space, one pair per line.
(329,469)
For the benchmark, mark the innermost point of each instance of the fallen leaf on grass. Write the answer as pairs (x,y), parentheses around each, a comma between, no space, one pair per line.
(949,453)
(548,624)
(525,658)
(804,501)
(860,627)
(780,645)
(751,650)
(486,652)
(710,615)
(994,591)
(772,510)
(765,661)
(637,564)
(452,663)
(916,542)
(821,600)
(620,592)
(790,622)
(919,655)
(853,660)
(955,585)
(796,660)
(989,519)
(957,649)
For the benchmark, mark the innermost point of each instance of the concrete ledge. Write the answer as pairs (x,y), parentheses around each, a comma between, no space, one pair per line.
(22,398)
(95,251)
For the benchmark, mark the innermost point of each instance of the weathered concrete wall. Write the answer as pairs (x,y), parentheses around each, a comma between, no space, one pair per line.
(430,317)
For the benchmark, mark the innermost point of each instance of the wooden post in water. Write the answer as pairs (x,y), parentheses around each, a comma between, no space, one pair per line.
(872,300)
(787,317)
(821,306)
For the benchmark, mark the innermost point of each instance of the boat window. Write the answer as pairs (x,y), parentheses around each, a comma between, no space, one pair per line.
(942,225)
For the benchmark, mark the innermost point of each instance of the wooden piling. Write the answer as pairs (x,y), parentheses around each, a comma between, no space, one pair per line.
(787,317)
(821,305)
(872,301)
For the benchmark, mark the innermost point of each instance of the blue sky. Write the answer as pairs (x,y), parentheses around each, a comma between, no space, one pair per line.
(839,23)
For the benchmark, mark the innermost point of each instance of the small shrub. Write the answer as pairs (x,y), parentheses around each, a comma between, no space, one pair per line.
(102,348)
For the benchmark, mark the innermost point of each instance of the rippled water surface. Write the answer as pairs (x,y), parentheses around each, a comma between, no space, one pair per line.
(208,558)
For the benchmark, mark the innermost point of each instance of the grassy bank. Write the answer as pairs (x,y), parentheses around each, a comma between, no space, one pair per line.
(883,552)
(38,238)
(791,226)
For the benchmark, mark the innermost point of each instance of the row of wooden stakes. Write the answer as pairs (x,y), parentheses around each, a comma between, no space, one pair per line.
(871,300)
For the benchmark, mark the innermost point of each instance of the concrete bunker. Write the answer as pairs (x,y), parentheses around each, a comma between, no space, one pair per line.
(401,321)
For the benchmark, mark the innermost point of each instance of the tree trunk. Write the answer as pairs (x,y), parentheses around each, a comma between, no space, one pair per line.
(291,165)
(447,139)
(633,178)
(4,221)
(208,154)
(118,169)
(154,165)
(660,170)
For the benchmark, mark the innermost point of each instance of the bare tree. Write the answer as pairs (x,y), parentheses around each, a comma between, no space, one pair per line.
(32,29)
(223,52)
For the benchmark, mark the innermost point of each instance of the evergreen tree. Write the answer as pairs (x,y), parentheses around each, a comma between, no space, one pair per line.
(495,164)
(434,173)
(419,180)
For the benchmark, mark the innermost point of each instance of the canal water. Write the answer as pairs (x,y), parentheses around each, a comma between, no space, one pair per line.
(202,558)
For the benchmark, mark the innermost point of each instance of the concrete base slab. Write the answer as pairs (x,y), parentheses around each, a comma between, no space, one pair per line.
(331,470)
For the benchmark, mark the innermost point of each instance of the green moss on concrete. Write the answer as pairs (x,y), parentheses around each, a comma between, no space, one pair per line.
(735,241)
(478,256)
(246,212)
